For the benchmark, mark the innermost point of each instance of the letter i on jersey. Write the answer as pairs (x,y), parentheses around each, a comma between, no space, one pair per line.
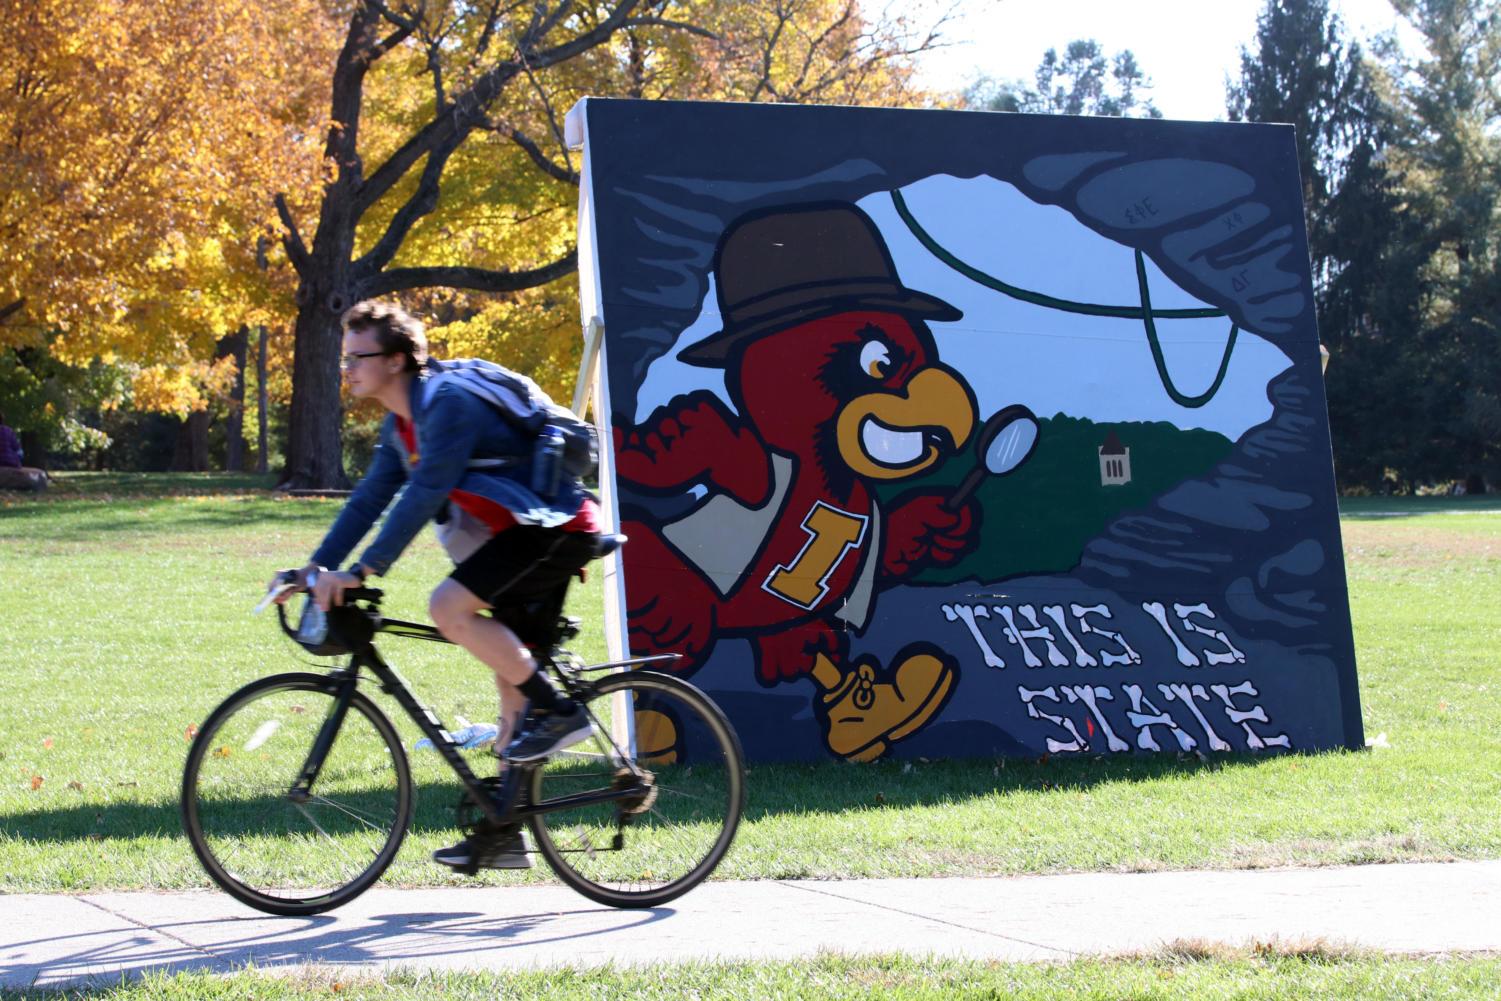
(831,534)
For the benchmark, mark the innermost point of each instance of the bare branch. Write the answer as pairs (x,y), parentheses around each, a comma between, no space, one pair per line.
(816,44)
(768,51)
(468,107)
(11,309)
(552,118)
(388,43)
(408,23)
(566,173)
(483,45)
(423,201)
(553,19)
(435,66)
(662,22)
(474,279)
(296,249)
(600,33)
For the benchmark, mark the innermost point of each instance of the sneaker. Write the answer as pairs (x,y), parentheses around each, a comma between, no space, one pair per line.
(541,736)
(505,850)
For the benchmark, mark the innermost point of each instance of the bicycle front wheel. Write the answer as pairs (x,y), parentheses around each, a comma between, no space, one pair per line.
(647,849)
(286,854)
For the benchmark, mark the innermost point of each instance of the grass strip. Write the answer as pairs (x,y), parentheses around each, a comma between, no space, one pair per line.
(126,619)
(1182,971)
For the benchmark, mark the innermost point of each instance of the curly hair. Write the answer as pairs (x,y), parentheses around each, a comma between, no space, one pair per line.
(396,331)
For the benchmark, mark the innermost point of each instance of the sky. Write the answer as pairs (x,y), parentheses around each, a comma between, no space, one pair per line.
(1187,47)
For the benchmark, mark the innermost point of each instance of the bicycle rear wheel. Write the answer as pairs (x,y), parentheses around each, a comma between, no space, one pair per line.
(255,841)
(649,849)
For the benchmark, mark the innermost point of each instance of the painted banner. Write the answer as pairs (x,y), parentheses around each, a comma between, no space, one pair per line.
(962,434)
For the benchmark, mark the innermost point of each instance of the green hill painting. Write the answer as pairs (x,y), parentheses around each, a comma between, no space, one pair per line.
(1038,518)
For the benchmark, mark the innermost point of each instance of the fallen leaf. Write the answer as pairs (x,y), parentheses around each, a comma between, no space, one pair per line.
(47,742)
(191,731)
(75,784)
(221,751)
(36,782)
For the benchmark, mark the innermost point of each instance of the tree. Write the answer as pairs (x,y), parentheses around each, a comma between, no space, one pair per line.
(1362,241)
(484,138)
(1448,112)
(140,144)
(469,55)
(1083,81)
(128,129)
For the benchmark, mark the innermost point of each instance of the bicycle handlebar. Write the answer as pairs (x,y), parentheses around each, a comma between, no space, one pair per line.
(286,581)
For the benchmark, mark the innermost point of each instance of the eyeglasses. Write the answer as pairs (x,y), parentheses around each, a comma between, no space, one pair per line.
(352,360)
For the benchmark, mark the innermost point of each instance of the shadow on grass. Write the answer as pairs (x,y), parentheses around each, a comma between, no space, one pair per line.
(832,788)
(837,787)
(1363,508)
(435,802)
(84,485)
(94,520)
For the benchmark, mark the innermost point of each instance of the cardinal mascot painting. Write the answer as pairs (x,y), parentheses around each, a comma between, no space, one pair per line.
(836,387)
(942,434)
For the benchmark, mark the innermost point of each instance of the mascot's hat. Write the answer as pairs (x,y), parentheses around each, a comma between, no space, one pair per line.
(791,265)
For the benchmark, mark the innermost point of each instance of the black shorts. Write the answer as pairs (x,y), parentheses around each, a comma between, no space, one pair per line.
(525,563)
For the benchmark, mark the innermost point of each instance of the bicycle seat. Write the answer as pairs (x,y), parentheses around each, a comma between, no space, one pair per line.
(608,543)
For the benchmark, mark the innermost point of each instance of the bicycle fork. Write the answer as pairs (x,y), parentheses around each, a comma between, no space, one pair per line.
(302,788)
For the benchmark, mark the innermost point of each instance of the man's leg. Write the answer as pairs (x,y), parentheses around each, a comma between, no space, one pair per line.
(455,610)
(554,721)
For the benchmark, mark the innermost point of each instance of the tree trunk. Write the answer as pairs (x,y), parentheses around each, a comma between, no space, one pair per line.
(235,346)
(35,451)
(315,448)
(191,452)
(262,399)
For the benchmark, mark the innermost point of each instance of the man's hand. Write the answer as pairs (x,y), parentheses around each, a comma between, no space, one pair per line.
(299,579)
(330,585)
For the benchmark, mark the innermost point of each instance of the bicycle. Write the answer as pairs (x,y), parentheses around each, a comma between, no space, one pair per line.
(297,792)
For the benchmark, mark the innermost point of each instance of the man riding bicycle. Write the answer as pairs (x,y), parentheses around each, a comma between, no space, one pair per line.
(465,465)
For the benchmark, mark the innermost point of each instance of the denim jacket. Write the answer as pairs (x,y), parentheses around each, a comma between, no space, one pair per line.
(462,443)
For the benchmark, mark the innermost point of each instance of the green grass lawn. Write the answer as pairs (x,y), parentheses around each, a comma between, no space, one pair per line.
(126,618)
(1174,974)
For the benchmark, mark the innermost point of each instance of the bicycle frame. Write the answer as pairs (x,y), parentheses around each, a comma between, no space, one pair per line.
(497,803)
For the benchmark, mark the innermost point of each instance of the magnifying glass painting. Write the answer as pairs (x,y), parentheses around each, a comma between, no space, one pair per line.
(1006,441)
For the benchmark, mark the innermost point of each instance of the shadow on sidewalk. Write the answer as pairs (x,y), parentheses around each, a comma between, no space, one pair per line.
(277,942)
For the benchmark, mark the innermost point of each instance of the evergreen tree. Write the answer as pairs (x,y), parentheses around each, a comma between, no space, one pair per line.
(1082,81)
(1448,150)
(1365,245)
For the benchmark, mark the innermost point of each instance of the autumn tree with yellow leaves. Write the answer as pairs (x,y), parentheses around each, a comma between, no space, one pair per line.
(140,144)
(463,196)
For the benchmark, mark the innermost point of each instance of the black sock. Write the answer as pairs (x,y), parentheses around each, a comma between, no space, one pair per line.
(544,696)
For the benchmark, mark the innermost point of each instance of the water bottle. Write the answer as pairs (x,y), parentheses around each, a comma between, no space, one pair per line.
(547,463)
(312,628)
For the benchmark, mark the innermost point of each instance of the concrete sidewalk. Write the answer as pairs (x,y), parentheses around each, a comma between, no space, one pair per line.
(50,940)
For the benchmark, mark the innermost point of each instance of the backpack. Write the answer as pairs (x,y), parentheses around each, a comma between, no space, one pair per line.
(523,403)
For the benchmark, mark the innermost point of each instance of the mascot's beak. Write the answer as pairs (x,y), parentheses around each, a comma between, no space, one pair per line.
(888,436)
